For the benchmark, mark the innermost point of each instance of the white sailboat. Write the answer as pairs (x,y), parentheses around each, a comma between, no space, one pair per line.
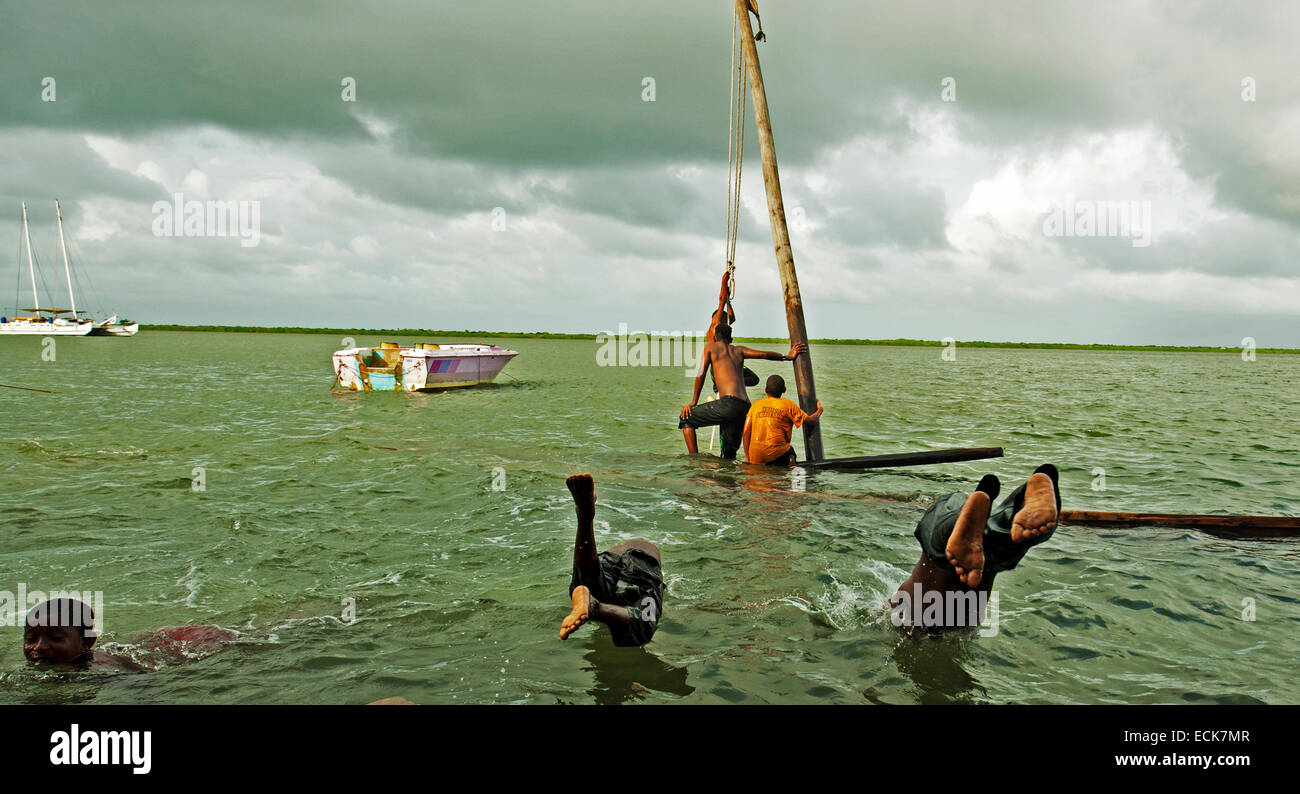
(108,327)
(45,322)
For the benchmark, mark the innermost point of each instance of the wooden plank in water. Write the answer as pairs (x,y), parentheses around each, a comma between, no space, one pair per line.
(905,458)
(1237,526)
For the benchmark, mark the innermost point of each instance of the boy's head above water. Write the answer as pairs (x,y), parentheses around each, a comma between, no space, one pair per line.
(59,631)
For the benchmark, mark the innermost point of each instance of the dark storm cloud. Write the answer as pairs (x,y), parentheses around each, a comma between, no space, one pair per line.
(536,108)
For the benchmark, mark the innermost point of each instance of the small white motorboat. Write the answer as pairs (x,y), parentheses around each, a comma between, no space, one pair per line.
(114,327)
(422,367)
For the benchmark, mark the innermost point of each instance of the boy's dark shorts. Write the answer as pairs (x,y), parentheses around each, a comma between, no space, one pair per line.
(634,580)
(728,413)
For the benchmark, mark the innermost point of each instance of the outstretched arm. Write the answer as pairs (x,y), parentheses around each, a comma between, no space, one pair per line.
(815,415)
(795,350)
(724,305)
(724,298)
(726,291)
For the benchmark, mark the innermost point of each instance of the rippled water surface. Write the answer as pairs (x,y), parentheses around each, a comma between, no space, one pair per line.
(774,594)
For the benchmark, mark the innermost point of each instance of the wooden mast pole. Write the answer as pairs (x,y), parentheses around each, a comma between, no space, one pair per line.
(803,375)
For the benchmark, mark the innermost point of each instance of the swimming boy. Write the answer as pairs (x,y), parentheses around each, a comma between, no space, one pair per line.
(729,410)
(965,543)
(62,631)
(770,424)
(622,587)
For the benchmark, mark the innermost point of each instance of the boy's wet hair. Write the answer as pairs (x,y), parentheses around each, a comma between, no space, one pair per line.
(67,612)
(775,385)
(723,332)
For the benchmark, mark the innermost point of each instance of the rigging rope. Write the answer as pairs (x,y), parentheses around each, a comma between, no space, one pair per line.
(735,154)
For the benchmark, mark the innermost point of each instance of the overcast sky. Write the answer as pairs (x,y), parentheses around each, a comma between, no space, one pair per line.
(918,217)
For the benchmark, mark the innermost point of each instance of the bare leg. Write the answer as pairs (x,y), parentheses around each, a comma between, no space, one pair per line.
(692,446)
(585,556)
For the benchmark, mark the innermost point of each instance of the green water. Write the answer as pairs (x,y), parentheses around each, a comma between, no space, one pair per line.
(774,594)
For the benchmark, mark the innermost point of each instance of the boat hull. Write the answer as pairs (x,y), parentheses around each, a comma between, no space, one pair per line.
(18,328)
(417,369)
(116,329)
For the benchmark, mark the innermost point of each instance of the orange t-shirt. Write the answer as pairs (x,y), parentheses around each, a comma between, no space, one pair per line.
(771,422)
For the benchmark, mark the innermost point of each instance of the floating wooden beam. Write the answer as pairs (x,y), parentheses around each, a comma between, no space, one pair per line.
(1235,526)
(27,388)
(905,459)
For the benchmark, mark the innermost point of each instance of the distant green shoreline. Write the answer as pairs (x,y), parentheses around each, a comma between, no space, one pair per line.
(258,329)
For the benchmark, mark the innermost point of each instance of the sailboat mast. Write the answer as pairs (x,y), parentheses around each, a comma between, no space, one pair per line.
(31,269)
(67,273)
(803,376)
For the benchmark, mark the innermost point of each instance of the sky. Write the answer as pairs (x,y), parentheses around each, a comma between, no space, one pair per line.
(499,165)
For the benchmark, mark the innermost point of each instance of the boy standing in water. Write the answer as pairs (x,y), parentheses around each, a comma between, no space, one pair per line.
(729,410)
(965,543)
(622,587)
(770,424)
(723,315)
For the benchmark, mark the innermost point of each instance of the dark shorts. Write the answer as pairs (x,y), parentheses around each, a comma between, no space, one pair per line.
(1001,553)
(633,580)
(788,459)
(728,413)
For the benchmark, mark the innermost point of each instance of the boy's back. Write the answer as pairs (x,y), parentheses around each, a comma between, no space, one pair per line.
(772,421)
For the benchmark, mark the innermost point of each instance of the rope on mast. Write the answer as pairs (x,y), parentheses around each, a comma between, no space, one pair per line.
(735,154)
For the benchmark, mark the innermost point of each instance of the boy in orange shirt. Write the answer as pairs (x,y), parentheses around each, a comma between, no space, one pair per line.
(770,423)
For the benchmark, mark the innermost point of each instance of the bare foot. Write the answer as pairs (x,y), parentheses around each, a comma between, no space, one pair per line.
(1037,517)
(582,607)
(583,488)
(965,548)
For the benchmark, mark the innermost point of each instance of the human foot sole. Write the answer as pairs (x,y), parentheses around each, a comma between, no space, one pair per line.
(581,612)
(965,549)
(1037,517)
